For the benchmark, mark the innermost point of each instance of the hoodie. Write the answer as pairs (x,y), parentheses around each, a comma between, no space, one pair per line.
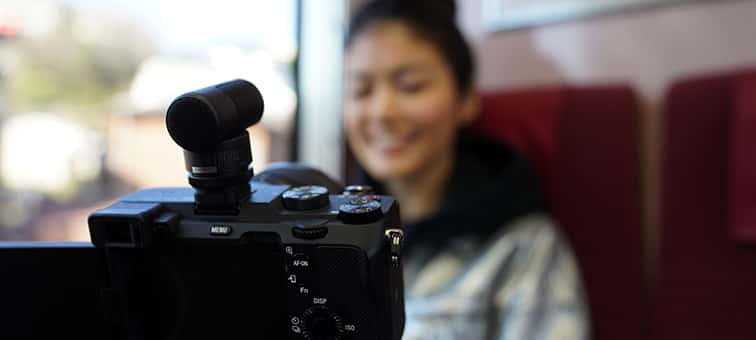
(490,263)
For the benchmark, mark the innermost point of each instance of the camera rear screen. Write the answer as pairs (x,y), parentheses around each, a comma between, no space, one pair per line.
(50,289)
(220,291)
(208,290)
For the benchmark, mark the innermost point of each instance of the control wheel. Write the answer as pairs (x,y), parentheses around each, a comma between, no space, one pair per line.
(308,197)
(319,323)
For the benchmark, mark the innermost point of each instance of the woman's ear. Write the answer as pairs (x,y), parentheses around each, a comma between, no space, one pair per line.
(469,108)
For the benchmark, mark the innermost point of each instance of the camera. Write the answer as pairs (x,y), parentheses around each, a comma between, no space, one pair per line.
(228,258)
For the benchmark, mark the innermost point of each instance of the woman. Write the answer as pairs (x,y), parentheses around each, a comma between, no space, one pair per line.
(483,260)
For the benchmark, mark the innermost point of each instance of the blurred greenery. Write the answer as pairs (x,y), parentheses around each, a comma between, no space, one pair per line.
(62,74)
(41,84)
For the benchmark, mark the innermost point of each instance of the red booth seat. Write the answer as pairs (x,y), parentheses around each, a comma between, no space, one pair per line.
(584,142)
(707,269)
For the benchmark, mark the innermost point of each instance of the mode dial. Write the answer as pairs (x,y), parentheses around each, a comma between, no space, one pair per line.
(308,197)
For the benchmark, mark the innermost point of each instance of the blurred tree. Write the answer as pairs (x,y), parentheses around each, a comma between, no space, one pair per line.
(76,68)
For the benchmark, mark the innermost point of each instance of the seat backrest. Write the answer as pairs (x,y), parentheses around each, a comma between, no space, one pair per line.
(526,119)
(585,143)
(706,285)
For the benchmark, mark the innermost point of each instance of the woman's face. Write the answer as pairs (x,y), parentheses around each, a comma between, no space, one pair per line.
(402,108)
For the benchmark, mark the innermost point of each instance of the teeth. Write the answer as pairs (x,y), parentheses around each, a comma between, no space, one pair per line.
(383,139)
(389,142)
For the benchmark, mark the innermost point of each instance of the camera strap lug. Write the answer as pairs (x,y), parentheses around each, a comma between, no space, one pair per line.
(395,238)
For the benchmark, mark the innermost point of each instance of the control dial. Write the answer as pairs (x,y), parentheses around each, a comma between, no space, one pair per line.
(354,190)
(319,323)
(360,210)
(308,197)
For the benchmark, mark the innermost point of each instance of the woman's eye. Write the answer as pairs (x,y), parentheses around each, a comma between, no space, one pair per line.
(412,87)
(359,92)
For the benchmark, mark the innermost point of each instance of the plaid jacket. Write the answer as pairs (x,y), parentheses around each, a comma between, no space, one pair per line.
(520,284)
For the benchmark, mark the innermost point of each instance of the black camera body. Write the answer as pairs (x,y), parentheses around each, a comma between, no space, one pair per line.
(229,258)
(331,262)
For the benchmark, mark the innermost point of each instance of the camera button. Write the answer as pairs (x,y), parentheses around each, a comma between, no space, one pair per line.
(220,230)
(300,262)
(302,290)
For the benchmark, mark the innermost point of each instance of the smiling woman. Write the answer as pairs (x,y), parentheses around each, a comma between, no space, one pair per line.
(483,258)
(403,110)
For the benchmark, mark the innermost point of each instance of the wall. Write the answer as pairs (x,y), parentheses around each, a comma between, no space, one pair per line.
(648,49)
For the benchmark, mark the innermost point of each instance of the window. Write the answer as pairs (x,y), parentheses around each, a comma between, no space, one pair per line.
(84,86)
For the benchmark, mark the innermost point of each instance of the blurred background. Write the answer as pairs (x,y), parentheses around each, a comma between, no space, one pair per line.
(84,86)
(639,114)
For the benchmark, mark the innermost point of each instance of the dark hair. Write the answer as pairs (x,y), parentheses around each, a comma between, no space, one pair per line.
(433,20)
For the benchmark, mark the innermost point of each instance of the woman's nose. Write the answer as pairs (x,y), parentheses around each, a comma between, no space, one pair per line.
(383,105)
